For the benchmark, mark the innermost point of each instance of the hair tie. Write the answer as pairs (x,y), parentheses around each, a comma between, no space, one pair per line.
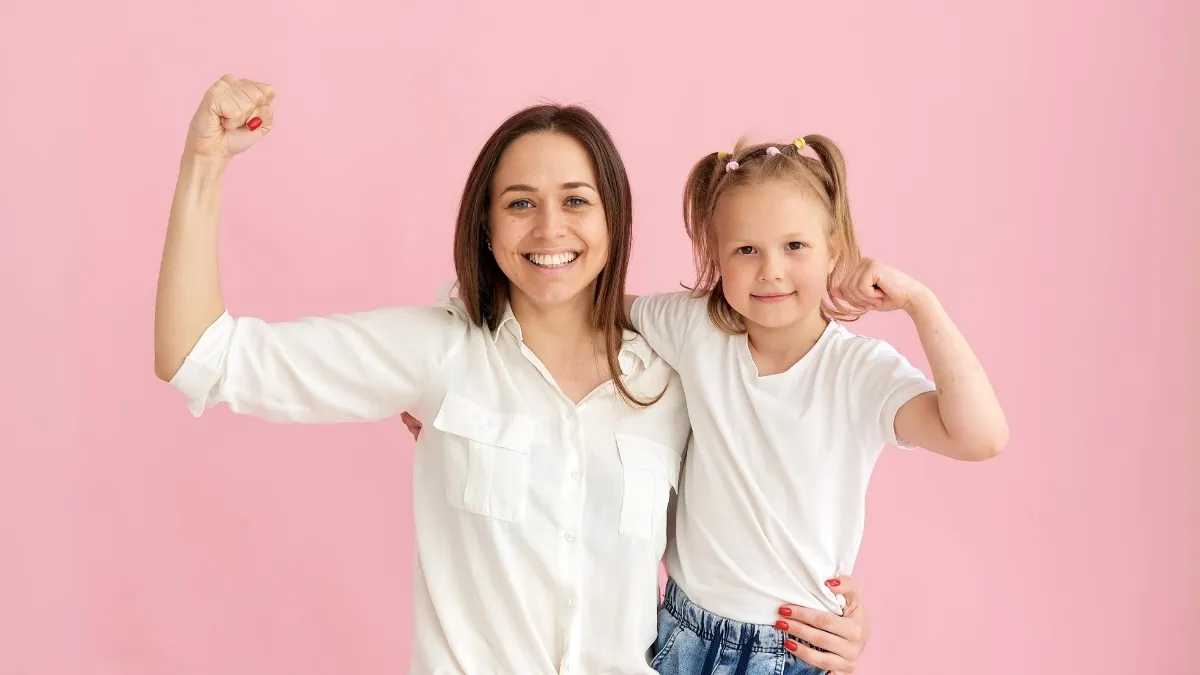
(772,151)
(799,143)
(732,166)
(721,155)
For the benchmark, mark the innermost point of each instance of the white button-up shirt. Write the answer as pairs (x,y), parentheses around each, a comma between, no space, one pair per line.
(540,524)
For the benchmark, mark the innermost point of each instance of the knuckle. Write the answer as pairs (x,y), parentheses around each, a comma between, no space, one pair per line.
(825,661)
(804,631)
(821,660)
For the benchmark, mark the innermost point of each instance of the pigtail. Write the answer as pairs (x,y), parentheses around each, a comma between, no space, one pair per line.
(843,238)
(698,195)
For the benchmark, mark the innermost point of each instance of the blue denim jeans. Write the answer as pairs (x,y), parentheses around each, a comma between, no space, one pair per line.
(692,641)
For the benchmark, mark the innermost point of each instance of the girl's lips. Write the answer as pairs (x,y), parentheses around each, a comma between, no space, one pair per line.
(773,297)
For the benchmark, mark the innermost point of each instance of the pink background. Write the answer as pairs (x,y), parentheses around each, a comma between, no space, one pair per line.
(1035,163)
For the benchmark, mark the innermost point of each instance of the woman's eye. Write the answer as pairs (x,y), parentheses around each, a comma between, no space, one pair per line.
(795,245)
(577,202)
(746,250)
(520,204)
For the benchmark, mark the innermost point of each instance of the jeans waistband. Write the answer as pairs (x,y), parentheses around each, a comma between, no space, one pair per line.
(734,634)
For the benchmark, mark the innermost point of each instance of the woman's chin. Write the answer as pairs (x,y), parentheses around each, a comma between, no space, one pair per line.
(552,293)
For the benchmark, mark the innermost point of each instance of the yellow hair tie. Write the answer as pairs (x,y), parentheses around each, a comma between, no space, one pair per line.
(722,155)
(799,143)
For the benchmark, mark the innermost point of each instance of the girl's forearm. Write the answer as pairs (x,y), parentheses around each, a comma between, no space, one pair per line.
(968,406)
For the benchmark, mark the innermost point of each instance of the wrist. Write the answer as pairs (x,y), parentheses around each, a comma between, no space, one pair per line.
(198,187)
(922,302)
(193,163)
(201,173)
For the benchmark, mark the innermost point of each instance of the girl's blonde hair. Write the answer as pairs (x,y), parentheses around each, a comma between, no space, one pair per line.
(823,176)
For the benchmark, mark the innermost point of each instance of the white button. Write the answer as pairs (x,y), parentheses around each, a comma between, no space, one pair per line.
(570,414)
(575,474)
(485,425)
(570,536)
(567,602)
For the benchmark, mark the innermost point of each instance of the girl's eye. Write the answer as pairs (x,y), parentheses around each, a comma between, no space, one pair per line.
(746,250)
(577,202)
(520,204)
(795,245)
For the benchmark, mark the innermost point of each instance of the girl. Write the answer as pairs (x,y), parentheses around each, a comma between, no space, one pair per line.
(789,409)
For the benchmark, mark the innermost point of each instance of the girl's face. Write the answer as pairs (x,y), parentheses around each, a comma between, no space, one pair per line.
(546,225)
(773,253)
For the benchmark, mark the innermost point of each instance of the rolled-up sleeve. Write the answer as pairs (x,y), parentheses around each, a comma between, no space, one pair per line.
(340,368)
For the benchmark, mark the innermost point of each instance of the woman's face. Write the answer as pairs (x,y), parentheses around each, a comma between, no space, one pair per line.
(546,224)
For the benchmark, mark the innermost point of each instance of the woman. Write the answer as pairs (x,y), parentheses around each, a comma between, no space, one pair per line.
(541,491)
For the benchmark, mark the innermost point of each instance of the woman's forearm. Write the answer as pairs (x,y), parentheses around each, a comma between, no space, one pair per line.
(189,289)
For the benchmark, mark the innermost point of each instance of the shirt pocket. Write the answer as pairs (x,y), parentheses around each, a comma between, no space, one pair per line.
(486,458)
(650,471)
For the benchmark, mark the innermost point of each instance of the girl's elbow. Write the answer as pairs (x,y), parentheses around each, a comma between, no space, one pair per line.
(989,446)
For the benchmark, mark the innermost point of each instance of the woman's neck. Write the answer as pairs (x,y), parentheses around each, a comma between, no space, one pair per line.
(775,350)
(557,333)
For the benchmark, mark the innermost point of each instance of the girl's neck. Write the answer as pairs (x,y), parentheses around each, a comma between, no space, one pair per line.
(775,350)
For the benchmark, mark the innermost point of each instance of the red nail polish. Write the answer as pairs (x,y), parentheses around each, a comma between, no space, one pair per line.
(781,625)
(791,645)
(254,123)
(785,611)
(834,582)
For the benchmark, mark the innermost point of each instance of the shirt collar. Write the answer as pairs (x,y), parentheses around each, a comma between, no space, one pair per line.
(634,347)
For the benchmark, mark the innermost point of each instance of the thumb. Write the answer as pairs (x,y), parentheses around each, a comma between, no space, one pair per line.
(256,124)
(259,121)
(848,589)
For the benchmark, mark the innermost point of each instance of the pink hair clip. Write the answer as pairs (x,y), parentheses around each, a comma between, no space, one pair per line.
(772,150)
(732,166)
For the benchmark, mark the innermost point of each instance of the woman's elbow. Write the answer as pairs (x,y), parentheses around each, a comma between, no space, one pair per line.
(165,368)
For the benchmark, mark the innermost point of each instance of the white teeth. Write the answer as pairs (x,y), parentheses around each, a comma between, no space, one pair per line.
(552,259)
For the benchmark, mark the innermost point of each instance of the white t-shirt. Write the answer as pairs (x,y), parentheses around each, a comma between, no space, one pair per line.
(773,494)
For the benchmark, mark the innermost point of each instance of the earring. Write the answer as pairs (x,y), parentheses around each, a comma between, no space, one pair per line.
(489,244)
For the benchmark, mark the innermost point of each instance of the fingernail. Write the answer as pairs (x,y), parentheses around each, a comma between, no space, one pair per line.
(791,645)
(254,123)
(834,582)
(785,611)
(781,625)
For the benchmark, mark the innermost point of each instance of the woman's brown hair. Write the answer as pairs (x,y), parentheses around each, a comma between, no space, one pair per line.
(823,176)
(481,283)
